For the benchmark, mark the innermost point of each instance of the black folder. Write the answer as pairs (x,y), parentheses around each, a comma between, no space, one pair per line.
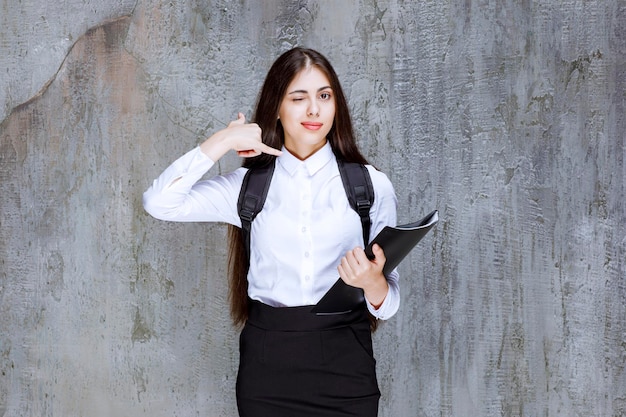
(397,242)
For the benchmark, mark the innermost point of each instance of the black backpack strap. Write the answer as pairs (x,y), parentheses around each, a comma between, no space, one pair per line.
(252,197)
(358,185)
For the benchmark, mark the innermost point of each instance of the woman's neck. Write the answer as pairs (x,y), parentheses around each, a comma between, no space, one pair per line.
(304,151)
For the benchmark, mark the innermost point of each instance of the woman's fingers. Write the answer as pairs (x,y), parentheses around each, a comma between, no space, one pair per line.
(357,270)
(271,151)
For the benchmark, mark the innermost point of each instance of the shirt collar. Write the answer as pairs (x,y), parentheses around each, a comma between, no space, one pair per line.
(312,164)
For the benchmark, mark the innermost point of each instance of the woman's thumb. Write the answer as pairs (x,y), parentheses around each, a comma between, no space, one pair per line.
(378,252)
(241,119)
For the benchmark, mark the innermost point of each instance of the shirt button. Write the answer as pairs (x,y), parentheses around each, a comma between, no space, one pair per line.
(303,229)
(307,278)
(306,254)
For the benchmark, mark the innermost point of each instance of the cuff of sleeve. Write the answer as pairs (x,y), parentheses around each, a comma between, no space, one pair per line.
(379,312)
(390,304)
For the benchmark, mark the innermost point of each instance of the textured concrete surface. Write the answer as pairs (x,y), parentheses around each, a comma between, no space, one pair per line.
(508,116)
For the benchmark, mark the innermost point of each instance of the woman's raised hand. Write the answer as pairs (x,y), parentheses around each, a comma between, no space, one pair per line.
(242,137)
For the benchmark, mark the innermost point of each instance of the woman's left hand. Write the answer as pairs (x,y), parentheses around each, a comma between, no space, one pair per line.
(358,271)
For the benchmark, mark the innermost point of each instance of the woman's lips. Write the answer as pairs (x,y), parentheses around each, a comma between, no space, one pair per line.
(312,125)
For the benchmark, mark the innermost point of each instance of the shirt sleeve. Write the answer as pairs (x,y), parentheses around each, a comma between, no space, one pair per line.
(179,194)
(383,213)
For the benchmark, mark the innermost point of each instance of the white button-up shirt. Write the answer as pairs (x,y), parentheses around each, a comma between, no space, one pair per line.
(298,239)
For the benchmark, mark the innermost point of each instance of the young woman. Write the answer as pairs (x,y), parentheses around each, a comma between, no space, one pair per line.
(292,362)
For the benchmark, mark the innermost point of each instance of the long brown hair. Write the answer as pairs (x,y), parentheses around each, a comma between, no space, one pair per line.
(341,139)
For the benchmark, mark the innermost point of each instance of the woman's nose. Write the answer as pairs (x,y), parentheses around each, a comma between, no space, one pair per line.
(313,110)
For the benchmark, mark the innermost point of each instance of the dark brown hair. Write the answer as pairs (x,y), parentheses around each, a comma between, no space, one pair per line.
(341,139)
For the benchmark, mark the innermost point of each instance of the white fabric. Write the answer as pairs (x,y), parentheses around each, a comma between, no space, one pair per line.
(300,236)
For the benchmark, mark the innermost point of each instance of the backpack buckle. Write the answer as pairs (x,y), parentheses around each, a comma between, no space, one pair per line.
(363,206)
(248,208)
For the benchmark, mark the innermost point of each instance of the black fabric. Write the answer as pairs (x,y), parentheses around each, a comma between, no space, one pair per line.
(296,364)
(252,196)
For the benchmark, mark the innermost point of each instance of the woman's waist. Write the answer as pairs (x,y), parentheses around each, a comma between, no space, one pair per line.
(302,318)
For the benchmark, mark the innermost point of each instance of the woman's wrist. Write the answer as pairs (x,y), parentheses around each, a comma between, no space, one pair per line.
(377,292)
(215,147)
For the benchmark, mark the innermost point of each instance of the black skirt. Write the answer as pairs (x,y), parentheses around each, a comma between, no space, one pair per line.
(294,363)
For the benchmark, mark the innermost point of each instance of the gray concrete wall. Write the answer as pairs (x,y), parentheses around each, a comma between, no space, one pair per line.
(507,116)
